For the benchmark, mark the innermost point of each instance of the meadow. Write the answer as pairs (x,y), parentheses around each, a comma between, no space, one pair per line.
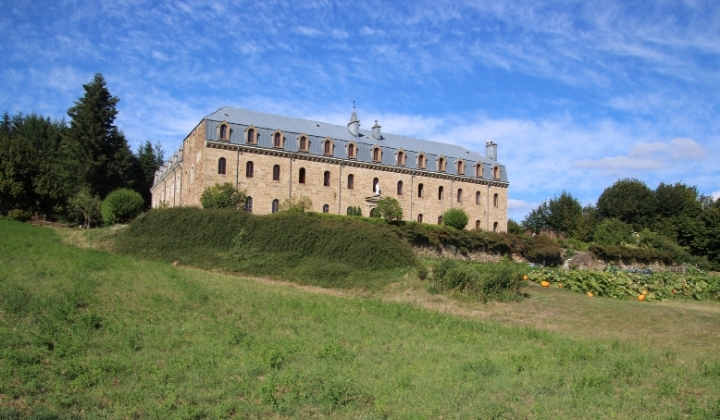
(85,333)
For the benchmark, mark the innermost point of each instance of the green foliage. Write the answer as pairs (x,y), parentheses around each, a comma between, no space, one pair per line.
(618,284)
(389,209)
(455,217)
(223,196)
(150,158)
(313,248)
(354,211)
(630,201)
(514,227)
(19,215)
(96,154)
(86,208)
(297,204)
(121,206)
(485,281)
(587,224)
(613,232)
(559,214)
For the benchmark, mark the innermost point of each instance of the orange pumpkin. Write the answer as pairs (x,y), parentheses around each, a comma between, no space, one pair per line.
(525,277)
(644,292)
(641,297)
(560,285)
(545,283)
(590,294)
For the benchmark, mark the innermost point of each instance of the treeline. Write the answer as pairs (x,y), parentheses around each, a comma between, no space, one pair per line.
(50,169)
(631,219)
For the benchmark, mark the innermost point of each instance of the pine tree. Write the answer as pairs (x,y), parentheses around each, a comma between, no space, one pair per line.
(150,159)
(96,155)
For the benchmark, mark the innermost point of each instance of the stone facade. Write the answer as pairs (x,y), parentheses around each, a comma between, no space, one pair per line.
(196,166)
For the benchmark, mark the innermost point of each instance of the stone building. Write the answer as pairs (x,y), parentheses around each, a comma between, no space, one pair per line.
(275,157)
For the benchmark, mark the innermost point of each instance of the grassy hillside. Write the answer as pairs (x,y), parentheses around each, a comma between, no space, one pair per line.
(305,247)
(87,334)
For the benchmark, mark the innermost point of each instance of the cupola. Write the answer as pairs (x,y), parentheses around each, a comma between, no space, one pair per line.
(354,124)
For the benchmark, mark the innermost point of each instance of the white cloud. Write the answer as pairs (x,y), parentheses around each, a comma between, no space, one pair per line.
(716,195)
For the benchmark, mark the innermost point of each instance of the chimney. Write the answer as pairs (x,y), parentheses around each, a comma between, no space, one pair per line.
(376,131)
(491,150)
(354,124)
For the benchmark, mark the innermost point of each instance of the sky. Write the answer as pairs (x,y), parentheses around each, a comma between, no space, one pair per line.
(577,94)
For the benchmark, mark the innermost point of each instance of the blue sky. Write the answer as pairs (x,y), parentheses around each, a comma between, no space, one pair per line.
(577,94)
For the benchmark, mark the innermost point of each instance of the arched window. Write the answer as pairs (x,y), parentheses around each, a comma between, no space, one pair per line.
(221,166)
(328,147)
(459,195)
(441,164)
(249,169)
(351,151)
(401,158)
(400,188)
(326,179)
(351,182)
(248,204)
(460,167)
(251,138)
(223,132)
(495,227)
(303,144)
(377,154)
(477,224)
(496,172)
(477,197)
(478,170)
(421,161)
(275,205)
(421,191)
(495,200)
(276,173)
(326,208)
(375,182)
(420,218)
(439,220)
(301,176)
(441,190)
(277,139)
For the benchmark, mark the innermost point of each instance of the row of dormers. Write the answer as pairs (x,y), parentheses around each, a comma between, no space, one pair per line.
(250,136)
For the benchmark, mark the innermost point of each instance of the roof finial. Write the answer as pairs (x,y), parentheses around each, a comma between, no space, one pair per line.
(353,104)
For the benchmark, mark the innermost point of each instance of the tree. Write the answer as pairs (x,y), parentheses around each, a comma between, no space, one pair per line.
(16,173)
(456,218)
(87,206)
(389,209)
(150,159)
(629,200)
(586,225)
(559,214)
(299,204)
(514,227)
(613,232)
(223,196)
(96,154)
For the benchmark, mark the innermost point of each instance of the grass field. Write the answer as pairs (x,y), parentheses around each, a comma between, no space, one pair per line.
(89,334)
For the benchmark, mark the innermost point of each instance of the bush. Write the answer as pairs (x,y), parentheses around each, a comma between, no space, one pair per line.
(487,281)
(86,206)
(613,232)
(300,204)
(456,218)
(223,196)
(121,206)
(19,215)
(389,209)
(354,211)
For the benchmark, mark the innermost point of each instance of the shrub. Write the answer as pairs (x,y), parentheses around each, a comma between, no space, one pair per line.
(613,232)
(354,211)
(389,209)
(223,196)
(456,218)
(19,215)
(487,281)
(121,206)
(86,206)
(300,204)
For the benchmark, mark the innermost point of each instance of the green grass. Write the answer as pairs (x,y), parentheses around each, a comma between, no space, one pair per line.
(88,334)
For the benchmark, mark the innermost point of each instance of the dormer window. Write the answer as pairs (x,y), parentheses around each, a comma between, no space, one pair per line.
(251,135)
(478,170)
(278,139)
(460,165)
(303,143)
(223,131)
(401,157)
(441,164)
(328,146)
(351,150)
(421,161)
(496,172)
(377,154)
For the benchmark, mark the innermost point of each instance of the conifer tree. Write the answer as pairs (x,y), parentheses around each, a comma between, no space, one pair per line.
(96,155)
(150,158)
